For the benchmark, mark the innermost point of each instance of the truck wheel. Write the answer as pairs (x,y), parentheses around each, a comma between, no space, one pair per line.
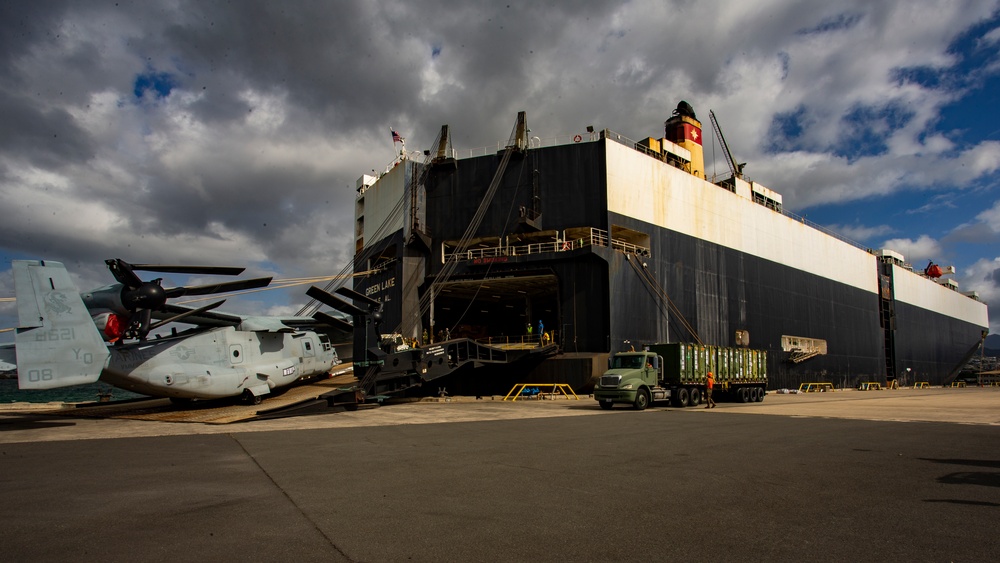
(744,395)
(694,397)
(641,400)
(760,394)
(682,397)
(606,405)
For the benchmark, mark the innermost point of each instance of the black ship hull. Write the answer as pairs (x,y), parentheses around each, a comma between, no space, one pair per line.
(608,259)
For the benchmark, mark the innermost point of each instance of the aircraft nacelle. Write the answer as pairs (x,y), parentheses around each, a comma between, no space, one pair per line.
(109,313)
(107,298)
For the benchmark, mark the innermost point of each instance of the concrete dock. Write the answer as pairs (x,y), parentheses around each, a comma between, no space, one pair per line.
(877,475)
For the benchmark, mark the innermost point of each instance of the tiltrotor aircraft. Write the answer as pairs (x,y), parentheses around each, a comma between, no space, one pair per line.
(67,338)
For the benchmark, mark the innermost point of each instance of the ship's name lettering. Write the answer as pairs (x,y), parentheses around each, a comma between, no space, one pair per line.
(490,260)
(372,289)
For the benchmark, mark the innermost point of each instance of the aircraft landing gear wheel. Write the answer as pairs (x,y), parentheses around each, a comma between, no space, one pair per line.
(248,398)
(641,400)
(606,405)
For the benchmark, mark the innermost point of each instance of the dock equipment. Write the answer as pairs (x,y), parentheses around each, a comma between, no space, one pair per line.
(815,387)
(563,388)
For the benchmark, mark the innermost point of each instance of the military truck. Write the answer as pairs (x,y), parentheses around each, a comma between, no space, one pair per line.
(677,372)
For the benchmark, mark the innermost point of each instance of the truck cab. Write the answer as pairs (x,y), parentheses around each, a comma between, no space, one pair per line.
(632,378)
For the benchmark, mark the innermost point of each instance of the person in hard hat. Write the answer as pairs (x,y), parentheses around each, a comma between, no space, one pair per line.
(709,402)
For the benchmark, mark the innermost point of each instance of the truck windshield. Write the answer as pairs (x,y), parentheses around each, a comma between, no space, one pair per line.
(627,362)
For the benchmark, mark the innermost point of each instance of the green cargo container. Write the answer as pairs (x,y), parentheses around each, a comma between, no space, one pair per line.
(686,363)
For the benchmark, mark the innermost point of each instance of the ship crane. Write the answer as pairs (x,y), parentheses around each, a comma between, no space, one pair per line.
(736,169)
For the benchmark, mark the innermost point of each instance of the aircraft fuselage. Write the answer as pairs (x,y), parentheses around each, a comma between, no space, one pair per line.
(220,362)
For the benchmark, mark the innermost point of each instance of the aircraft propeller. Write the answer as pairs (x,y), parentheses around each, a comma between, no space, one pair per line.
(140,298)
(326,298)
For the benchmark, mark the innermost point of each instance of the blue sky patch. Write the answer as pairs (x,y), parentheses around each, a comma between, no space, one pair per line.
(158,84)
(835,23)
(868,128)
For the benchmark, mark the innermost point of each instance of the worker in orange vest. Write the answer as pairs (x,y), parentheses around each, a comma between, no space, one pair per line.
(709,402)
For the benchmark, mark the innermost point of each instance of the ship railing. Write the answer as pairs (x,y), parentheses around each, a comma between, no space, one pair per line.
(519,342)
(595,237)
(533,143)
(823,229)
(629,247)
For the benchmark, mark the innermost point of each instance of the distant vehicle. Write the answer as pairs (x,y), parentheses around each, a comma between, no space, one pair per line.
(677,372)
(59,344)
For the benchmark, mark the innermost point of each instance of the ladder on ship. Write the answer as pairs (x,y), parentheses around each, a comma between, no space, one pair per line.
(887,318)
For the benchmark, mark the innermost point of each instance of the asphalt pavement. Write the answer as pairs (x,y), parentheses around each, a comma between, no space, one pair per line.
(907,475)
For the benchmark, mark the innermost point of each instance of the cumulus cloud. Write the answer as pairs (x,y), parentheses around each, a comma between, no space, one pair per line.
(991,217)
(983,277)
(917,250)
(860,233)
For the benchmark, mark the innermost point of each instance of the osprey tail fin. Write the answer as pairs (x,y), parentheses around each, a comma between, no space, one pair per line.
(57,343)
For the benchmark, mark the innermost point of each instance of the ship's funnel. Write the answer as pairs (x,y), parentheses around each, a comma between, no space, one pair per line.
(684,129)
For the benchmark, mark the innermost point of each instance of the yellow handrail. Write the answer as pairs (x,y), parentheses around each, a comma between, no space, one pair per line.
(815,387)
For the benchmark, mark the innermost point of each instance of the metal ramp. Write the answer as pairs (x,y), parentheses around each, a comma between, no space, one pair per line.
(392,373)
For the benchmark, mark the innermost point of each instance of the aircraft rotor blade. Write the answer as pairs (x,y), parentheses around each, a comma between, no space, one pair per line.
(351,294)
(332,301)
(206,270)
(332,321)
(180,316)
(223,287)
(122,271)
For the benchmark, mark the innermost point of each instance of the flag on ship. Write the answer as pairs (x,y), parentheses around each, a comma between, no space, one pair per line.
(395,136)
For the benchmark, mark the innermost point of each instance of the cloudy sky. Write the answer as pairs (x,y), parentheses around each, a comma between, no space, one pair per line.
(234,132)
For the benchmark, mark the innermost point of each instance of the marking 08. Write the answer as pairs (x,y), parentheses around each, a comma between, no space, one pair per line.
(56,334)
(35,375)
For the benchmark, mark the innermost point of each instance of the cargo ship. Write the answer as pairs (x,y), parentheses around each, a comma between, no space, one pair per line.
(598,243)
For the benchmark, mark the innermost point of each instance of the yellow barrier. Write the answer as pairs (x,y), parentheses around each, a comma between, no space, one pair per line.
(958,384)
(869,386)
(563,388)
(815,387)
(922,385)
